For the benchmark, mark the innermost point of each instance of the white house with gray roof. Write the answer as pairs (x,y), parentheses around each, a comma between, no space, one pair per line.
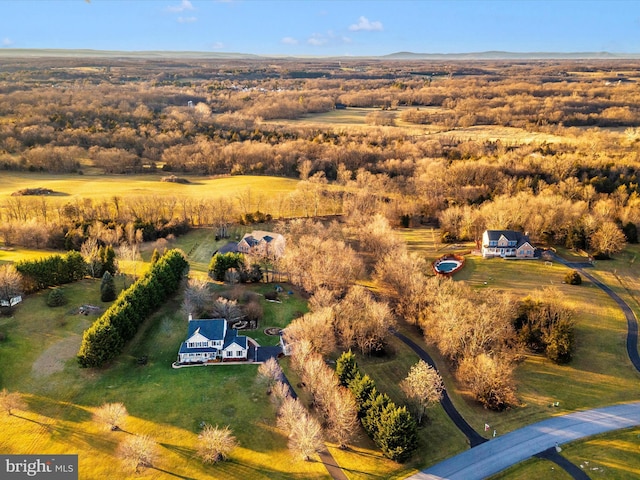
(212,340)
(506,244)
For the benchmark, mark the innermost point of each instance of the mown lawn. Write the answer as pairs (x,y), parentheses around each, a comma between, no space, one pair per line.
(168,404)
(600,373)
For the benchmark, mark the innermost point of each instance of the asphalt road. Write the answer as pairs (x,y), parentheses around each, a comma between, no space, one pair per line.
(501,452)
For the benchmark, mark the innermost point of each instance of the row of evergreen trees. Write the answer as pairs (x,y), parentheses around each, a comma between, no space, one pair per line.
(51,271)
(392,428)
(106,338)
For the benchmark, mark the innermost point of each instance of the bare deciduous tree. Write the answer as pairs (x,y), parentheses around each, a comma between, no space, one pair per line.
(138,452)
(405,277)
(227,309)
(215,444)
(10,401)
(271,372)
(608,239)
(279,392)
(490,379)
(361,321)
(90,251)
(306,437)
(423,386)
(289,413)
(316,328)
(111,415)
(342,416)
(197,298)
(10,283)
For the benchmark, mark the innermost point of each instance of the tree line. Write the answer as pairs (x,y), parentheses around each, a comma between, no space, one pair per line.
(106,338)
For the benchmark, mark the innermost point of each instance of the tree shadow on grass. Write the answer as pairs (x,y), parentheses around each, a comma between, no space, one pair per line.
(46,426)
(188,453)
(58,410)
(102,442)
(173,474)
(352,470)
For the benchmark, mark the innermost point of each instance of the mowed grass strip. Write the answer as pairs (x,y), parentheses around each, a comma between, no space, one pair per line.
(533,469)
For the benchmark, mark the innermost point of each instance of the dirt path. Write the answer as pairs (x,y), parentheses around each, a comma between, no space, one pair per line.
(53,359)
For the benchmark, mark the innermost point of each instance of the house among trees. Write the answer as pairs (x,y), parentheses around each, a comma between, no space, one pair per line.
(258,242)
(506,244)
(212,340)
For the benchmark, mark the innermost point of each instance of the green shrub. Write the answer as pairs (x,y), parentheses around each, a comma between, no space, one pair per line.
(573,278)
(52,271)
(56,298)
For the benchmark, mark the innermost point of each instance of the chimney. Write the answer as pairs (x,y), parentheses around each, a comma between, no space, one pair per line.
(190,317)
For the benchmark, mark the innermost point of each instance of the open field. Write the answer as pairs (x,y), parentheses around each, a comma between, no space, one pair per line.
(12,255)
(105,187)
(600,373)
(355,117)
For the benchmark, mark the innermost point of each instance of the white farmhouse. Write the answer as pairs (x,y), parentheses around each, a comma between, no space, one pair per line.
(506,244)
(212,339)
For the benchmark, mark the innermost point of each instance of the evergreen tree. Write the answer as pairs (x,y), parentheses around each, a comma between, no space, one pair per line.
(220,263)
(108,259)
(56,298)
(346,367)
(363,388)
(375,407)
(397,433)
(155,256)
(107,287)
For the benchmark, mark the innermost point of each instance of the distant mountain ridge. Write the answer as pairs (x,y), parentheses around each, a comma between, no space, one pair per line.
(502,55)
(488,55)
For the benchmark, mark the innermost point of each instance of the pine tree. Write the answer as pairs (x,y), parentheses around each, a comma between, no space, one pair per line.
(346,367)
(397,433)
(107,287)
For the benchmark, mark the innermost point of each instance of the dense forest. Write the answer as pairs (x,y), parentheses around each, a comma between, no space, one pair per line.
(417,157)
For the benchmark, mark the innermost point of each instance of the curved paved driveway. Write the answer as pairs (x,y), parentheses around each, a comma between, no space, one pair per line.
(502,452)
(632,322)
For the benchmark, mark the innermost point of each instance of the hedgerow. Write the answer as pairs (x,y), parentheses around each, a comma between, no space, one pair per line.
(106,338)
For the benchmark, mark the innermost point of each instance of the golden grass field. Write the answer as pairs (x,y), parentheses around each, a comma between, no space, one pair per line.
(103,187)
(355,117)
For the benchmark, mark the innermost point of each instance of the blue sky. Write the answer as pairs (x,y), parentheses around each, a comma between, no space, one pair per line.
(323,28)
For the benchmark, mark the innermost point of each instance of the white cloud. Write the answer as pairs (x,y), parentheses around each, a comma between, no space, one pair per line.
(346,40)
(187,19)
(289,41)
(317,40)
(364,24)
(7,42)
(217,46)
(184,5)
